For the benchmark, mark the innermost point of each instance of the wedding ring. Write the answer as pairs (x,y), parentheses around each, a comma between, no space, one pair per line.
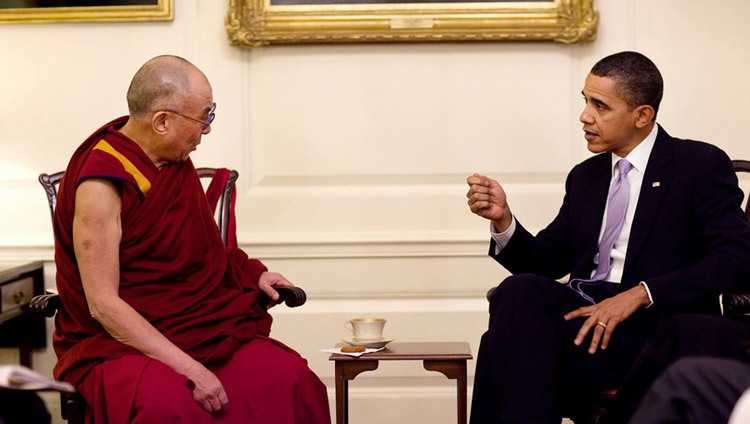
(602,324)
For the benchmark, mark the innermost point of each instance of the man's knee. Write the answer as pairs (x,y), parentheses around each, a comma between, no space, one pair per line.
(293,370)
(682,325)
(163,396)
(166,409)
(685,335)
(683,372)
(273,365)
(701,371)
(521,286)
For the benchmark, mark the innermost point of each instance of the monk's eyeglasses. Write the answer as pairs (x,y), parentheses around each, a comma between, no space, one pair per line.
(204,124)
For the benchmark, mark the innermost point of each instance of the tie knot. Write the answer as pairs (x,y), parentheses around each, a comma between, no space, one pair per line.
(624,166)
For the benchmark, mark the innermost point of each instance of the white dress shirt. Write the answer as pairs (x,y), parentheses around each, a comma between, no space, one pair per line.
(638,157)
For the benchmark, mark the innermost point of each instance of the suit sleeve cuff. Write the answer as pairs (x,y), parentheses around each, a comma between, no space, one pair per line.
(648,292)
(502,239)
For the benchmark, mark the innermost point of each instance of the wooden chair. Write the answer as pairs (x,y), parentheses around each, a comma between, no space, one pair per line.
(50,183)
(73,407)
(738,303)
(733,303)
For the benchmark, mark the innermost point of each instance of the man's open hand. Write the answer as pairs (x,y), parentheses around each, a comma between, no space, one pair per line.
(606,315)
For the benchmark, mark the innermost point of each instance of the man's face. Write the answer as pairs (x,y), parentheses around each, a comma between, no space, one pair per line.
(185,133)
(608,121)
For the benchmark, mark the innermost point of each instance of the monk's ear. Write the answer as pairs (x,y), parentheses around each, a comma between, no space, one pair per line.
(159,122)
(644,115)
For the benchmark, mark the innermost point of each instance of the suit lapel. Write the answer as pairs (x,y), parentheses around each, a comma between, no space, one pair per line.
(595,197)
(588,199)
(655,184)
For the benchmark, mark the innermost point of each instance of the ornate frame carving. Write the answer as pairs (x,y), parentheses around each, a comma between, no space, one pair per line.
(253,23)
(162,11)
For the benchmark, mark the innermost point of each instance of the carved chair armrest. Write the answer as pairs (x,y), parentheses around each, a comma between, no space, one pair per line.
(45,304)
(490,292)
(73,408)
(736,303)
(48,304)
(292,296)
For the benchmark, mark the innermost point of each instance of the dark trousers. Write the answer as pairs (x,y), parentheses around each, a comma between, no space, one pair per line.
(694,390)
(528,369)
(678,337)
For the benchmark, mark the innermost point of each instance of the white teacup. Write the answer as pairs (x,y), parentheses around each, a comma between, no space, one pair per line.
(366,329)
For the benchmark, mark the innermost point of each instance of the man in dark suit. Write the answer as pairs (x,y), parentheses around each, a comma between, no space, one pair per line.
(696,390)
(649,227)
(693,368)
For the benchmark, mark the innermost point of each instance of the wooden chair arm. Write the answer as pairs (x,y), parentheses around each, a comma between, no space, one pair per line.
(292,296)
(45,304)
(736,303)
(489,293)
(48,304)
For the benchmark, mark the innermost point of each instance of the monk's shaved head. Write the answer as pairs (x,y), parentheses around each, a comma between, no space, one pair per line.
(162,82)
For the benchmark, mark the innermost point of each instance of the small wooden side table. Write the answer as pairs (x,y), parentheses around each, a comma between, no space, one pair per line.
(19,283)
(448,358)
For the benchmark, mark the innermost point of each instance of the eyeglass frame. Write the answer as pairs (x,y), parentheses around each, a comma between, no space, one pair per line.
(204,124)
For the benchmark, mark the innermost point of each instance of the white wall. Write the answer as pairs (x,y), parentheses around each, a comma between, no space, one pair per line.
(352,158)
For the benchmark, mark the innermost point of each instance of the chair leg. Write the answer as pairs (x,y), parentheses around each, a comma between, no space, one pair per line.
(73,408)
(64,406)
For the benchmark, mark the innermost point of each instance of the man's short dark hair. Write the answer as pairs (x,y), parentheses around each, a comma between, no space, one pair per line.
(638,80)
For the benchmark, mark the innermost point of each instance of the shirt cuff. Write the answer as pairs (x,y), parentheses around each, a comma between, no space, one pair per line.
(502,239)
(648,292)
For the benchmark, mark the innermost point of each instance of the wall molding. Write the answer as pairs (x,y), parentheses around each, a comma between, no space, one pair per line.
(313,248)
(26,253)
(395,248)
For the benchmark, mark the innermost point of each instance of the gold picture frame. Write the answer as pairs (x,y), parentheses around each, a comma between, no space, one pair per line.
(253,23)
(102,11)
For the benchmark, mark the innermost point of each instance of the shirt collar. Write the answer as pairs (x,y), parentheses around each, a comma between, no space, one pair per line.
(638,157)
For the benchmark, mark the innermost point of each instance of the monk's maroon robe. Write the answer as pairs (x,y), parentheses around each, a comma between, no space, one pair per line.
(174,269)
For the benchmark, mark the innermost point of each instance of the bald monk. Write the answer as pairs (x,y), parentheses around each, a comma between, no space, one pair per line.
(160,321)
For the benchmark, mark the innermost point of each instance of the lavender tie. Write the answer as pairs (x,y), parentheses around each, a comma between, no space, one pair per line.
(617,205)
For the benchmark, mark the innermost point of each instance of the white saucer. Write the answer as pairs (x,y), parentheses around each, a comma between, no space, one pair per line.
(372,344)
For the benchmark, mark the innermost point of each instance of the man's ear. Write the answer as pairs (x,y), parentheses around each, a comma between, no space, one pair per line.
(159,122)
(644,115)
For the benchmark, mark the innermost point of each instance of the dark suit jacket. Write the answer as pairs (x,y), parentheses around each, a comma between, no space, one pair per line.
(690,239)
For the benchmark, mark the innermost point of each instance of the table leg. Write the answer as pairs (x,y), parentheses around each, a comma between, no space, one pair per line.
(461,387)
(454,370)
(25,354)
(345,371)
(25,344)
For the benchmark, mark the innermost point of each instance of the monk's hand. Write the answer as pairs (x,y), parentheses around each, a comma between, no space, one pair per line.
(604,317)
(208,391)
(487,199)
(267,282)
